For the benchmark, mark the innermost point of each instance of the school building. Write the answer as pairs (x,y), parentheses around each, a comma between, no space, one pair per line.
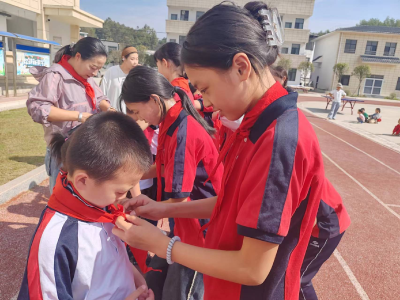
(376,46)
(52,20)
(182,14)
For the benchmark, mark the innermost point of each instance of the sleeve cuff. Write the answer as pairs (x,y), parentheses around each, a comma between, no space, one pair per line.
(177,195)
(259,235)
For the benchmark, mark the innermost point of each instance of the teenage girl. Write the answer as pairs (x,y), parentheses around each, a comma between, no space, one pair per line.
(186,156)
(262,219)
(66,95)
(168,60)
(112,81)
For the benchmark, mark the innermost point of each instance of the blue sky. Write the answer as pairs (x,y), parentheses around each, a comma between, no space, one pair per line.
(328,14)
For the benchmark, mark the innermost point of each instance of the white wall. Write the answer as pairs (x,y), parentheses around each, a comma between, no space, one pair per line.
(60,30)
(173,36)
(327,47)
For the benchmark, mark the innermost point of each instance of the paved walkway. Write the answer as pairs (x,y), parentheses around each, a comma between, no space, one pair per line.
(366,265)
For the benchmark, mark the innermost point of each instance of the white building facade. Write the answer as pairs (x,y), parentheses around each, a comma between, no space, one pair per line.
(182,14)
(375,46)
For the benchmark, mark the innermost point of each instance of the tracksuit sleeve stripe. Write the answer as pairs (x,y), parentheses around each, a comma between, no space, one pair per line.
(179,159)
(66,259)
(280,172)
(33,275)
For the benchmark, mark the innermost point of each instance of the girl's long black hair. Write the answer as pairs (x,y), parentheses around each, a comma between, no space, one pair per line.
(142,82)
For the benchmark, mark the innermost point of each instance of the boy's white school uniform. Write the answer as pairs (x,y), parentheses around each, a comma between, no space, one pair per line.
(77,260)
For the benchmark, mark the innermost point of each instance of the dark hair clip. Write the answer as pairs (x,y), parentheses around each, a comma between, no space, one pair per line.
(272,25)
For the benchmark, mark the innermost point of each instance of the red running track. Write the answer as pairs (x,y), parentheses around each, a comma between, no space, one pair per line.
(366,174)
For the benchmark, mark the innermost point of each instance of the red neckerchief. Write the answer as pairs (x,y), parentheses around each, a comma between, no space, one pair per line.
(183,83)
(170,118)
(88,88)
(66,200)
(232,144)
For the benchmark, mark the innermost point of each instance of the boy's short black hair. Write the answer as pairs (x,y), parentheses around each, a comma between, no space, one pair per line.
(378,109)
(102,145)
(362,109)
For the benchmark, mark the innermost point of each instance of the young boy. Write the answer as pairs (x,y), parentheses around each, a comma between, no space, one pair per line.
(74,254)
(337,96)
(374,118)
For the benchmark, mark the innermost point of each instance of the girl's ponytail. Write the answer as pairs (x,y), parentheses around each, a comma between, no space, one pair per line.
(59,146)
(66,50)
(188,106)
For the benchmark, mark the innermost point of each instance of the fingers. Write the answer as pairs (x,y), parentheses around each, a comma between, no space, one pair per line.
(137,293)
(151,295)
(122,224)
(134,220)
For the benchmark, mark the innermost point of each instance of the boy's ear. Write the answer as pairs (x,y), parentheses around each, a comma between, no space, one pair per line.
(81,179)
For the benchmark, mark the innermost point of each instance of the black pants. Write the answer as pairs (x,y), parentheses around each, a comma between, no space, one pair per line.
(318,252)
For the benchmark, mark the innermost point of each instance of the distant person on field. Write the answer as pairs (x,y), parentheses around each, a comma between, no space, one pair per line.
(396,130)
(361,117)
(365,114)
(67,95)
(375,117)
(337,96)
(111,84)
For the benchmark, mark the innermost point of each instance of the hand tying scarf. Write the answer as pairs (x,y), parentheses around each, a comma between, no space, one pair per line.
(171,117)
(66,200)
(88,88)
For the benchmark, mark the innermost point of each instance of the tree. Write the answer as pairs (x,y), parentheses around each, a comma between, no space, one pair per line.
(149,61)
(321,32)
(285,63)
(142,54)
(361,72)
(340,69)
(390,22)
(306,68)
(114,57)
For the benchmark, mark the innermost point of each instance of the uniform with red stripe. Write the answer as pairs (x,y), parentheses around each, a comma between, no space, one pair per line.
(271,191)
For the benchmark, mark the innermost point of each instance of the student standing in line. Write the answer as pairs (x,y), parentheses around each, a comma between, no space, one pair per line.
(186,156)
(111,84)
(67,95)
(168,60)
(262,219)
(337,96)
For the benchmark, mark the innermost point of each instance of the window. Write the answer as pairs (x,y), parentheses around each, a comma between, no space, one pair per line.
(292,74)
(296,49)
(174,16)
(288,25)
(184,15)
(299,24)
(111,48)
(285,50)
(390,49)
(199,14)
(172,40)
(398,84)
(351,46)
(310,46)
(373,85)
(182,38)
(345,80)
(371,48)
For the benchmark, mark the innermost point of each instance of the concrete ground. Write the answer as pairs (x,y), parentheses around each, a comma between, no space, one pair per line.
(380,132)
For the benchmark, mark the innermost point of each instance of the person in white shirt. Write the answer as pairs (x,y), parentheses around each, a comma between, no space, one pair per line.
(112,81)
(337,96)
